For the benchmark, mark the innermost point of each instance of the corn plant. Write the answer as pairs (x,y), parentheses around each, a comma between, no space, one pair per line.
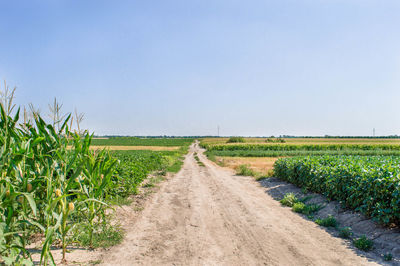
(51,181)
(97,169)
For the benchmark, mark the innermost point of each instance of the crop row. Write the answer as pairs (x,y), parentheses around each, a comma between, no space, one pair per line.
(301,147)
(279,153)
(135,141)
(368,184)
(53,185)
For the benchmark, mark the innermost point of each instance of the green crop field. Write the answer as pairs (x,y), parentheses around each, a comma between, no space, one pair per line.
(368,184)
(277,150)
(133,141)
(53,185)
(364,174)
(316,140)
(286,153)
(135,166)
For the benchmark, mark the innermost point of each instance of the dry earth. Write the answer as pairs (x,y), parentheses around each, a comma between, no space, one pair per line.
(385,239)
(206,215)
(259,164)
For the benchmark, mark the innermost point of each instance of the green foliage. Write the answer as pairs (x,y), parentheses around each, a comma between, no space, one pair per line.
(134,141)
(289,200)
(196,157)
(304,147)
(211,157)
(275,140)
(175,167)
(277,150)
(245,170)
(363,243)
(388,257)
(51,181)
(279,153)
(174,159)
(329,221)
(105,235)
(368,184)
(299,207)
(307,209)
(135,166)
(235,140)
(345,232)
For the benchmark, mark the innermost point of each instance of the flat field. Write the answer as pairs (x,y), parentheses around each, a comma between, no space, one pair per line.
(369,141)
(259,164)
(259,154)
(136,148)
(261,147)
(134,141)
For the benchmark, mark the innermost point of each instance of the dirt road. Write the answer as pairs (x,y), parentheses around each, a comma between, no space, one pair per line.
(206,215)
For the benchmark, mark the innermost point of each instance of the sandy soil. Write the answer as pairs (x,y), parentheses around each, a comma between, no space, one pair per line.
(209,216)
(385,239)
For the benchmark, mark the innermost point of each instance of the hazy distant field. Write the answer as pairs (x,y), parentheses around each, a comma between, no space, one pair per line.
(272,147)
(133,141)
(311,140)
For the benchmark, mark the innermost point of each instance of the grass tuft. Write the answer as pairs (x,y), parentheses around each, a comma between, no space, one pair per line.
(388,256)
(245,170)
(104,235)
(289,200)
(306,209)
(345,232)
(330,221)
(363,243)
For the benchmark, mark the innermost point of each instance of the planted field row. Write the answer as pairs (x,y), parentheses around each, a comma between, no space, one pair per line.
(280,153)
(134,141)
(301,147)
(320,140)
(367,184)
(134,167)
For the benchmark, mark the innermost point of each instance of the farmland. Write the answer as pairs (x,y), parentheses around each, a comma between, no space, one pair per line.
(310,140)
(55,189)
(362,173)
(135,141)
(368,184)
(59,188)
(261,147)
(262,165)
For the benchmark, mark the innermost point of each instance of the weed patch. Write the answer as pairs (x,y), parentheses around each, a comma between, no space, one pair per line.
(345,232)
(363,243)
(289,200)
(306,209)
(330,221)
(104,235)
(388,257)
(245,170)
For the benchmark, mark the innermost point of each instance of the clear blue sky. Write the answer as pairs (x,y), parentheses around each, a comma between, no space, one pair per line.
(257,67)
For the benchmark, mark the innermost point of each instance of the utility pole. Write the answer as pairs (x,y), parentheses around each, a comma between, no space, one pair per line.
(373,132)
(218,130)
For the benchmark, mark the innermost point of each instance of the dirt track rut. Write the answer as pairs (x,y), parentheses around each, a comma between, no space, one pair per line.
(206,215)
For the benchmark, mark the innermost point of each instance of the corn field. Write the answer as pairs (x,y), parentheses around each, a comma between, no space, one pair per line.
(51,182)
